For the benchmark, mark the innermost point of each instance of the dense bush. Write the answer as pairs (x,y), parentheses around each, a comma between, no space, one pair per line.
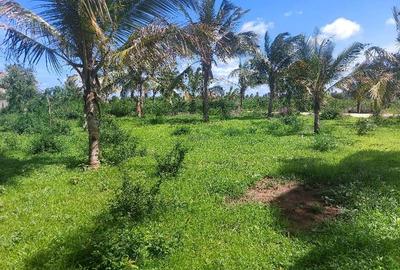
(45,143)
(333,109)
(170,164)
(121,107)
(117,145)
(324,142)
(134,200)
(364,126)
(287,125)
(180,131)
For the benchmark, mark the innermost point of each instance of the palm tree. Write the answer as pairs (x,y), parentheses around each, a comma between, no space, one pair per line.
(246,77)
(357,84)
(211,35)
(318,70)
(83,34)
(272,62)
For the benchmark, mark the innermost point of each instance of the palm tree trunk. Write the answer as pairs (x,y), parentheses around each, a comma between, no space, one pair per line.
(206,78)
(358,106)
(140,101)
(242,91)
(271,97)
(317,108)
(92,112)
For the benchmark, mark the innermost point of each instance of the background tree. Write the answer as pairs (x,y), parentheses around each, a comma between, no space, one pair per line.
(211,35)
(318,70)
(21,86)
(82,34)
(246,78)
(271,63)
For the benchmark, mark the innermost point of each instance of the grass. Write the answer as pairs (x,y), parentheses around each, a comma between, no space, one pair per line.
(52,209)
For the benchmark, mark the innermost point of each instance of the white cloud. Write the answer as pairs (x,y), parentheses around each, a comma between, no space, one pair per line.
(390,21)
(221,70)
(258,26)
(291,12)
(341,28)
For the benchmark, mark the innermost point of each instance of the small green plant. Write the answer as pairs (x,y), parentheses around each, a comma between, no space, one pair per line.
(170,164)
(118,145)
(232,132)
(134,200)
(324,142)
(331,112)
(364,126)
(180,131)
(45,143)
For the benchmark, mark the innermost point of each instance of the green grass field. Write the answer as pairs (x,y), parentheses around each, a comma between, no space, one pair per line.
(53,212)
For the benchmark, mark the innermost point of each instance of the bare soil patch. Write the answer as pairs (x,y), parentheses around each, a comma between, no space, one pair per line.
(303,205)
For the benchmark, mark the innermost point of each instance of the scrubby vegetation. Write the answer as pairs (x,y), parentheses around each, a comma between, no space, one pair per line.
(133,163)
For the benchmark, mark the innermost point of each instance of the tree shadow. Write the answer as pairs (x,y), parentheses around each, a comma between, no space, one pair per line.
(11,167)
(370,167)
(365,181)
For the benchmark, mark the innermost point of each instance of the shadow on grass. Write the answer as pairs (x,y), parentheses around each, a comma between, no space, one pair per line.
(365,182)
(370,167)
(11,167)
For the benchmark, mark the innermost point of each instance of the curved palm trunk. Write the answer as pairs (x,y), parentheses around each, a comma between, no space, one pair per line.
(206,67)
(317,109)
(91,110)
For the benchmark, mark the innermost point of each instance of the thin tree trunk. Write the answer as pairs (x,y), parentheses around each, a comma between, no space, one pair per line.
(317,108)
(93,126)
(271,101)
(242,91)
(140,102)
(206,77)
(358,106)
(271,97)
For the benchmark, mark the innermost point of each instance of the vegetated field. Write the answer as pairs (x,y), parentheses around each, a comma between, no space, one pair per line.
(54,214)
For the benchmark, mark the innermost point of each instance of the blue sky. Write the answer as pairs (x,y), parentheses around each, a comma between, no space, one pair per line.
(367,21)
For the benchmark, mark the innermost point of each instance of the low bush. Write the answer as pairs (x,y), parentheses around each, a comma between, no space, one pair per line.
(364,126)
(45,143)
(134,200)
(170,164)
(324,142)
(287,125)
(180,131)
(121,107)
(331,111)
(231,132)
(117,145)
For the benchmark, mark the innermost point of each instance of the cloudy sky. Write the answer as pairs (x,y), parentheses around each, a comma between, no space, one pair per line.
(368,21)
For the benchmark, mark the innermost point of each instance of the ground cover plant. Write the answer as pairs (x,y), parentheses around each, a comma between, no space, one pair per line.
(70,211)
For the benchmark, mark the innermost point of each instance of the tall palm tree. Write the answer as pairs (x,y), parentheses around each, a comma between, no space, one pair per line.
(318,70)
(211,35)
(82,34)
(246,78)
(272,62)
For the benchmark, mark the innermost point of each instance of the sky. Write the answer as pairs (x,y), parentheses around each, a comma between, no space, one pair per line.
(346,21)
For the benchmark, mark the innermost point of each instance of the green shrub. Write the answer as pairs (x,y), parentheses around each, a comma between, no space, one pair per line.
(364,126)
(117,145)
(45,143)
(120,108)
(288,125)
(231,132)
(156,120)
(180,131)
(170,164)
(134,200)
(324,142)
(226,107)
(331,112)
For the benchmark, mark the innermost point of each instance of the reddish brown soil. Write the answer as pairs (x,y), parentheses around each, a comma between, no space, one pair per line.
(302,205)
